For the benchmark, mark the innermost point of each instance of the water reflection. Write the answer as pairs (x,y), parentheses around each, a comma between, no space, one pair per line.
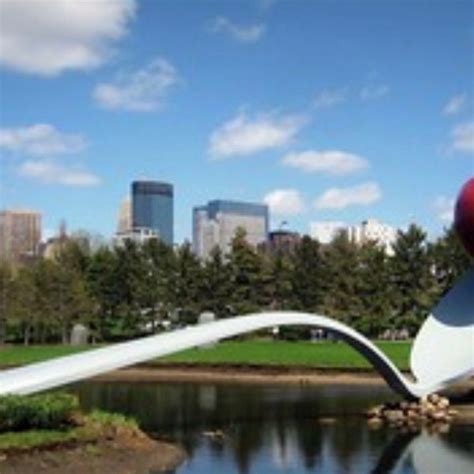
(264,429)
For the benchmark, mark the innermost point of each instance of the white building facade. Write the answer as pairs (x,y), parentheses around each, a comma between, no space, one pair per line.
(216,224)
(138,235)
(370,230)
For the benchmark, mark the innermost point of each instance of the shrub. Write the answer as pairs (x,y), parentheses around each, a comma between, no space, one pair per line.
(50,411)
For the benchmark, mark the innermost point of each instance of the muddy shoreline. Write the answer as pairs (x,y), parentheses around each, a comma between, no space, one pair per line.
(225,373)
(125,453)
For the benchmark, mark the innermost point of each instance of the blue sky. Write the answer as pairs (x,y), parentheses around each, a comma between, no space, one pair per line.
(327,110)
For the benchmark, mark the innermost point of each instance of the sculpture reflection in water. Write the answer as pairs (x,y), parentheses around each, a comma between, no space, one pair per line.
(425,453)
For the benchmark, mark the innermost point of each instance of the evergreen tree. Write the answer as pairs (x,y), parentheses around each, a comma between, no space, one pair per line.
(130,273)
(215,290)
(307,276)
(279,285)
(188,281)
(105,288)
(341,296)
(373,279)
(160,279)
(247,276)
(450,260)
(413,285)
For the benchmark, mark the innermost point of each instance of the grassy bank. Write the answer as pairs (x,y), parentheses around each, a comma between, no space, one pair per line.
(30,422)
(249,352)
(93,427)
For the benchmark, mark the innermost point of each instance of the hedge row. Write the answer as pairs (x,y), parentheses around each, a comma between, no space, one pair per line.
(50,411)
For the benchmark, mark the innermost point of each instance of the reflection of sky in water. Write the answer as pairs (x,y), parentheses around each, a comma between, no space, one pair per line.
(277,429)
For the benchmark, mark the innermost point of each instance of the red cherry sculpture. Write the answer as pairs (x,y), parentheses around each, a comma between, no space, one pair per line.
(464,216)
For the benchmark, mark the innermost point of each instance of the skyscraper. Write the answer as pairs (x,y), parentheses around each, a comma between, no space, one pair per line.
(125,216)
(216,223)
(152,208)
(20,234)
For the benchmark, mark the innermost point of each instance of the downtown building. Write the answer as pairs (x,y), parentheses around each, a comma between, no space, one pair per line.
(281,241)
(125,229)
(20,235)
(148,214)
(370,230)
(215,225)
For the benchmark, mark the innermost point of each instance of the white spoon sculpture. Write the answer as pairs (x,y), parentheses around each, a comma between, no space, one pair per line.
(442,353)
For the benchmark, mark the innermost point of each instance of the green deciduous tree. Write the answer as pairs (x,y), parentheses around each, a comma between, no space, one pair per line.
(6,295)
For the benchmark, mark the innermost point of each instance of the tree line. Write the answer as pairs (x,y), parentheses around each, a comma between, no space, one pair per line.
(126,291)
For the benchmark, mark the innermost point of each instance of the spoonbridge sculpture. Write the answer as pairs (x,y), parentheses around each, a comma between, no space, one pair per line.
(442,353)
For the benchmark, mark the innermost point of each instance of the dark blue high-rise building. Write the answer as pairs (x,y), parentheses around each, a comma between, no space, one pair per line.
(152,208)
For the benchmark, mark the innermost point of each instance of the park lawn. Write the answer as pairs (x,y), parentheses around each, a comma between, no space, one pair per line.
(334,355)
(331,355)
(15,355)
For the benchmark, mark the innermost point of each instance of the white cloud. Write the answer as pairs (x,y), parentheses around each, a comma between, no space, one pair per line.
(331,162)
(455,105)
(141,91)
(286,202)
(242,33)
(374,92)
(40,140)
(48,37)
(244,136)
(340,198)
(444,209)
(463,138)
(330,98)
(49,172)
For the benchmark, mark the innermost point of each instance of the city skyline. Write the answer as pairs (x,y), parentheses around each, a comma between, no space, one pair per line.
(322,115)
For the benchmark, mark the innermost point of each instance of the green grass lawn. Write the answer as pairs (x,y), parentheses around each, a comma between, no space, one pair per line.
(248,352)
(21,355)
(280,353)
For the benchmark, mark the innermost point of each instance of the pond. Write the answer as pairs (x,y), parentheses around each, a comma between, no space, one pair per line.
(265,429)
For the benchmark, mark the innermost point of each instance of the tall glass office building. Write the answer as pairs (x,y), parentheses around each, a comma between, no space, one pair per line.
(152,208)
(216,223)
